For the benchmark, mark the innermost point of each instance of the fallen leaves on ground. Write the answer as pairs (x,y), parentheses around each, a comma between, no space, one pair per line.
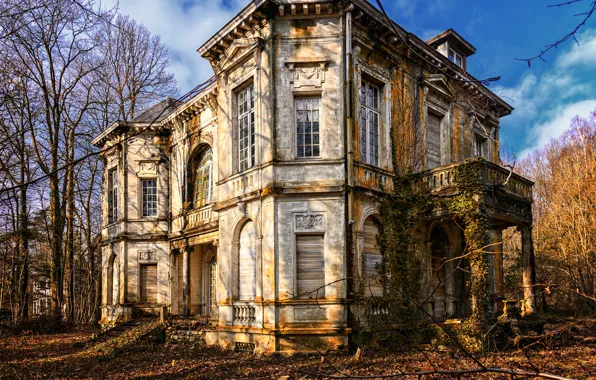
(67,356)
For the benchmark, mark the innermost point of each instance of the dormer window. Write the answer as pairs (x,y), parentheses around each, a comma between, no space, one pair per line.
(456,58)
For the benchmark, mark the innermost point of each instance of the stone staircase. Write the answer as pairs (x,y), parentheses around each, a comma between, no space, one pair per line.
(125,335)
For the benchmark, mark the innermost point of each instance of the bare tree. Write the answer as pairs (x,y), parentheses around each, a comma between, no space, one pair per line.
(135,72)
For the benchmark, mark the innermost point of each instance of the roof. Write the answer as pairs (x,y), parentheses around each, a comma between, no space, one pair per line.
(450,35)
(156,112)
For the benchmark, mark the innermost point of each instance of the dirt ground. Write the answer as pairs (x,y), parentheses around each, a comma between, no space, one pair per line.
(61,356)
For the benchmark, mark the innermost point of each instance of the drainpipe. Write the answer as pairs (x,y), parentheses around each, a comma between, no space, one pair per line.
(348,150)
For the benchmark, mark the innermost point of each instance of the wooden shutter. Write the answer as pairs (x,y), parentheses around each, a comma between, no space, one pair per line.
(433,141)
(149,283)
(310,269)
(247,263)
(372,258)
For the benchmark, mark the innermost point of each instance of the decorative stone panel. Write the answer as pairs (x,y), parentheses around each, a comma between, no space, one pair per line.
(309,222)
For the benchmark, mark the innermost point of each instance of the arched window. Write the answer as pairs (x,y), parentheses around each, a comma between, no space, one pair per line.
(203,182)
(372,259)
(247,262)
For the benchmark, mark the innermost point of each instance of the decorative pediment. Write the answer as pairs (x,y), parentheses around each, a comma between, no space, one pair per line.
(307,72)
(438,84)
(239,50)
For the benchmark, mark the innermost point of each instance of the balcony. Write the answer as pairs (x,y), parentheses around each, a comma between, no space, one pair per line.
(200,217)
(443,181)
(373,178)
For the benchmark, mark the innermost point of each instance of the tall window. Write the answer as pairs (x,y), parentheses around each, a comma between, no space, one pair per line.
(112,196)
(246,128)
(203,181)
(307,127)
(369,123)
(372,259)
(149,197)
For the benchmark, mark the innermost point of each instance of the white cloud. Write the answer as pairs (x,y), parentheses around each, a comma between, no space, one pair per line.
(183,27)
(582,54)
(542,133)
(545,103)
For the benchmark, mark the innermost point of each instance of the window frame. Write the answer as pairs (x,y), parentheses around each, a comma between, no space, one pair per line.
(203,168)
(145,203)
(297,134)
(249,89)
(366,110)
(480,141)
(456,55)
(113,195)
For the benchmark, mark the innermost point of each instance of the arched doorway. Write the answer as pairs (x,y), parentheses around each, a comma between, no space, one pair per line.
(372,259)
(440,247)
(247,262)
(113,281)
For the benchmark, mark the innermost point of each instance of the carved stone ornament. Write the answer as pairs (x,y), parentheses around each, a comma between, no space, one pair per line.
(310,222)
(147,169)
(146,255)
(307,72)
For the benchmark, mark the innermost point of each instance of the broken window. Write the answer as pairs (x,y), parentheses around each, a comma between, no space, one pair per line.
(307,127)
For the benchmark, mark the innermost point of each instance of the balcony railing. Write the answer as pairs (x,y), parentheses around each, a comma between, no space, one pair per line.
(199,217)
(444,178)
(244,314)
(372,177)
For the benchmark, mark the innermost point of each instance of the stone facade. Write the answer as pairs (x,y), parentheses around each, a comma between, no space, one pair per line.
(252,199)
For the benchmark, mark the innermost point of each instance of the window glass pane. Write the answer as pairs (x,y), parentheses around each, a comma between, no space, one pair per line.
(149,197)
(246,128)
(307,127)
(369,124)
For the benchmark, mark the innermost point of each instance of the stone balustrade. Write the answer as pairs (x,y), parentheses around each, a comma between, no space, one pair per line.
(372,177)
(490,174)
(244,314)
(198,217)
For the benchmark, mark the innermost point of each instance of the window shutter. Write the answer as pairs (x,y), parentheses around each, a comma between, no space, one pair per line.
(247,261)
(310,266)
(433,141)
(372,258)
(149,283)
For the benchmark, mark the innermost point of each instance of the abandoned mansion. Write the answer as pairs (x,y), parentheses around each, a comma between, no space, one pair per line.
(255,198)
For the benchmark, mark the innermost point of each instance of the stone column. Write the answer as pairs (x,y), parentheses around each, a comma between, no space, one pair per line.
(529,269)
(185,280)
(500,278)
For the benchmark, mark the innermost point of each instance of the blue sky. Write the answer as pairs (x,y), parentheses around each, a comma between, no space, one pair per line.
(546,95)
